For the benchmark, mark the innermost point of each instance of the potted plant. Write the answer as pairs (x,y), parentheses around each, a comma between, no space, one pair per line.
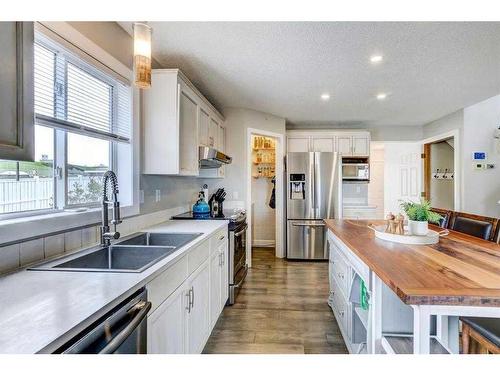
(419,216)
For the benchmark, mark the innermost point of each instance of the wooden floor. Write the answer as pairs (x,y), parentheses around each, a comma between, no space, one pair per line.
(282,308)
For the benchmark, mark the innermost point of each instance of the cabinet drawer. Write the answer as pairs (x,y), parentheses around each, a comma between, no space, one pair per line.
(197,256)
(218,239)
(340,269)
(165,284)
(340,307)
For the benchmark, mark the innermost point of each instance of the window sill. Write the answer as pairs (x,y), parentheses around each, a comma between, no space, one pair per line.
(30,227)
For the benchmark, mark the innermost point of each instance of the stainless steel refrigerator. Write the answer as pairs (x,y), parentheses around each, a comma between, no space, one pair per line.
(314,193)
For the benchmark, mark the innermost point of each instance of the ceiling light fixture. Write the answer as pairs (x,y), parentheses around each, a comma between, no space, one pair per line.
(142,55)
(381,96)
(376,58)
(325,96)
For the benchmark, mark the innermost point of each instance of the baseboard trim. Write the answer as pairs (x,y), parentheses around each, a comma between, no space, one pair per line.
(263,243)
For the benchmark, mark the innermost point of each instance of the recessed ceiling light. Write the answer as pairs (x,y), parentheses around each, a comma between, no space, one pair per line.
(325,96)
(381,96)
(376,58)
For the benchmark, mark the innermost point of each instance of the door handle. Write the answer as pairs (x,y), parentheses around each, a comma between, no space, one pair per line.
(188,295)
(307,225)
(192,299)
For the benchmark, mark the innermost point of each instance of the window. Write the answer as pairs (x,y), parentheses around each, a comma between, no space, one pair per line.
(83,119)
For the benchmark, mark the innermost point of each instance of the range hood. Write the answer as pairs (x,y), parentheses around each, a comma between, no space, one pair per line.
(212,158)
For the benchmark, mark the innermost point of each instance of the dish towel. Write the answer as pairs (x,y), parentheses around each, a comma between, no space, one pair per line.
(272,201)
(363,295)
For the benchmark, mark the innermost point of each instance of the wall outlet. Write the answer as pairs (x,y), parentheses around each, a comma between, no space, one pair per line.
(141,196)
(158,195)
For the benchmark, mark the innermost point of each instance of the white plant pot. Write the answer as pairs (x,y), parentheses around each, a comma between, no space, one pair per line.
(418,228)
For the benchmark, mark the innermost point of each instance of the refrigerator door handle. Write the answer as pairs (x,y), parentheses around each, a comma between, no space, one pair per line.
(308,225)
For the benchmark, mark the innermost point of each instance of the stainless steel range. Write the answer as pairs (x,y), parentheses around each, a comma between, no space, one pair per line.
(238,267)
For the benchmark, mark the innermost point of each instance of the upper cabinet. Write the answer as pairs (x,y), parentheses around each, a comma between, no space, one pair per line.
(177,120)
(348,144)
(17,91)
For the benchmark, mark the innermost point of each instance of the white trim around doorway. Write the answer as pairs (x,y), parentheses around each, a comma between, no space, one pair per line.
(280,212)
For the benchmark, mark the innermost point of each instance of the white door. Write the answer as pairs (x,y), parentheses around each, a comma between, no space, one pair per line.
(166,325)
(402,174)
(188,133)
(344,145)
(213,132)
(215,287)
(360,146)
(204,124)
(322,144)
(198,321)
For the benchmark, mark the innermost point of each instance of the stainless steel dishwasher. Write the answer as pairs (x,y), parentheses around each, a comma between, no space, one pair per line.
(121,331)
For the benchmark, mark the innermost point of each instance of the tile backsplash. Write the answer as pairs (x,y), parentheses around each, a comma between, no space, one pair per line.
(21,255)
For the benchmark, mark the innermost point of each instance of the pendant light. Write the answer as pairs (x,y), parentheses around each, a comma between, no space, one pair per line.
(142,55)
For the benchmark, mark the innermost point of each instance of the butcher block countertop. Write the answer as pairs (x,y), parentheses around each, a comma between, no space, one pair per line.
(459,270)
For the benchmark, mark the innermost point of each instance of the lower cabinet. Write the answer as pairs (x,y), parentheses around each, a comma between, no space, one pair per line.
(197,294)
(167,326)
(183,321)
(219,282)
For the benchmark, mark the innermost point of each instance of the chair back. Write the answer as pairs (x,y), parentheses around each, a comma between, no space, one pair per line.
(478,226)
(445,216)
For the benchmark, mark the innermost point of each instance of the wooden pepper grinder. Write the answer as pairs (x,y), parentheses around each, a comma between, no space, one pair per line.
(400,219)
(390,223)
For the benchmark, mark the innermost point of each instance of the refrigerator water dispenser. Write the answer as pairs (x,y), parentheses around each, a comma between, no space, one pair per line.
(297,186)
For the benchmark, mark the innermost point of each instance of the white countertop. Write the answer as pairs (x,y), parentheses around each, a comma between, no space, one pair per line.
(40,310)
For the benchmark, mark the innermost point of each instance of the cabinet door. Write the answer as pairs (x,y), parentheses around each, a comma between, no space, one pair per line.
(166,325)
(221,139)
(204,124)
(215,287)
(360,146)
(213,132)
(17,91)
(322,144)
(298,144)
(344,145)
(224,280)
(188,132)
(198,321)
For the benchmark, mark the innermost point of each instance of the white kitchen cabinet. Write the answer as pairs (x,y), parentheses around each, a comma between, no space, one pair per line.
(17,137)
(203,130)
(177,119)
(298,144)
(188,129)
(322,144)
(360,146)
(215,289)
(213,133)
(198,325)
(344,145)
(166,325)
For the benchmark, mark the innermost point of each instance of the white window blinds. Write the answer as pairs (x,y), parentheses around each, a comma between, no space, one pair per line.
(72,95)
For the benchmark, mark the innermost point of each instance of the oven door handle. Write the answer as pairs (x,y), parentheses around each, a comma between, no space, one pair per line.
(143,308)
(237,234)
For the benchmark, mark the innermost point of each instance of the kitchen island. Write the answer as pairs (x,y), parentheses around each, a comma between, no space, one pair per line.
(459,276)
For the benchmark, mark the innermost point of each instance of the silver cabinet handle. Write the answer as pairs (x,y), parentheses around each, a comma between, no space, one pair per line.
(143,307)
(192,300)
(221,238)
(220,260)
(188,295)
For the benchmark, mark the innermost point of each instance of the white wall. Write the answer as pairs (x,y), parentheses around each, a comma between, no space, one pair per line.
(238,120)
(442,190)
(481,189)
(264,217)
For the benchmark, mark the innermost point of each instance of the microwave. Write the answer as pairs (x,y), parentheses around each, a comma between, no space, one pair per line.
(355,171)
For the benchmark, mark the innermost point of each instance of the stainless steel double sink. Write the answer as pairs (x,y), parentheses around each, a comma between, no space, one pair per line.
(134,253)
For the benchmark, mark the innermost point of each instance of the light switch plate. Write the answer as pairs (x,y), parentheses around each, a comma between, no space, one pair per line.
(158,195)
(141,196)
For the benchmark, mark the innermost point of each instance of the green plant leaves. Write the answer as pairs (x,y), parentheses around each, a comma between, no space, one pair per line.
(420,211)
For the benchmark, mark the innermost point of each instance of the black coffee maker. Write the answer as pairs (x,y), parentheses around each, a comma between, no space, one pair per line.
(216,203)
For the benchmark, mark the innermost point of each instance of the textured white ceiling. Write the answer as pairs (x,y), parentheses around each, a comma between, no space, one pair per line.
(429,69)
